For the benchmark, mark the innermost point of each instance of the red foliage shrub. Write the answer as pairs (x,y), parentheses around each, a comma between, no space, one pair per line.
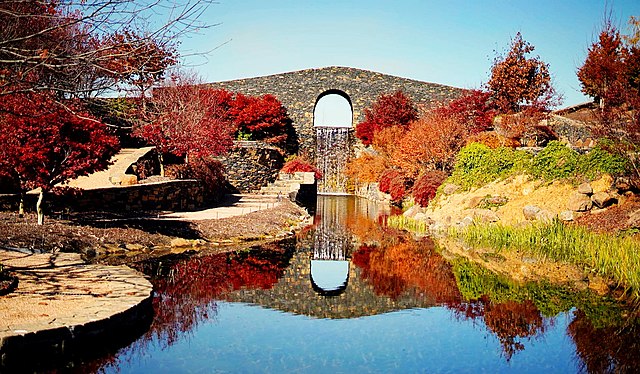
(264,117)
(474,109)
(384,183)
(300,164)
(424,190)
(399,187)
(389,110)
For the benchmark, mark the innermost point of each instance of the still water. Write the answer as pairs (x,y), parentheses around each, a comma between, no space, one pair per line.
(351,295)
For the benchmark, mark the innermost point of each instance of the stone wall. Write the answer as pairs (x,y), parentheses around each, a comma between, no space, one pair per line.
(251,165)
(299,92)
(175,195)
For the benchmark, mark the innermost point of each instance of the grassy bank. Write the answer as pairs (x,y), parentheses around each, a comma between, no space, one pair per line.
(610,256)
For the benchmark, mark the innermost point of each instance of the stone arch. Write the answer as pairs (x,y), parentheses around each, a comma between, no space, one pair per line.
(323,98)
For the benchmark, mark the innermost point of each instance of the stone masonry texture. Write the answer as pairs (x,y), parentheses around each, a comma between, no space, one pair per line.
(299,91)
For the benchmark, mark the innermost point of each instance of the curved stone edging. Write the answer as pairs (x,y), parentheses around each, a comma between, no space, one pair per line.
(65,307)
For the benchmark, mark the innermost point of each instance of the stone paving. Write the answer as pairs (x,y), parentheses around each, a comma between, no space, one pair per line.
(61,291)
(236,205)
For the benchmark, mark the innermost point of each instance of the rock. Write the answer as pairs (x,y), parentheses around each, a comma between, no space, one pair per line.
(486,215)
(128,180)
(566,215)
(496,200)
(530,212)
(134,246)
(579,202)
(180,242)
(474,201)
(602,199)
(466,221)
(544,216)
(585,188)
(198,242)
(411,212)
(450,188)
(622,184)
(438,228)
(634,219)
(421,217)
(603,184)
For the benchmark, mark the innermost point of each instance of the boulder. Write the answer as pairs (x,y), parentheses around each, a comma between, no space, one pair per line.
(634,219)
(585,188)
(603,184)
(466,221)
(602,199)
(485,215)
(128,180)
(622,184)
(450,188)
(566,215)
(180,242)
(411,212)
(579,202)
(474,201)
(530,212)
(544,216)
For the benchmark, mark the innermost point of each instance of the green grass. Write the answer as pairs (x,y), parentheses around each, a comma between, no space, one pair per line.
(607,255)
(405,223)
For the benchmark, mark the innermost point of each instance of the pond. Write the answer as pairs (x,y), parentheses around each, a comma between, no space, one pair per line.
(351,295)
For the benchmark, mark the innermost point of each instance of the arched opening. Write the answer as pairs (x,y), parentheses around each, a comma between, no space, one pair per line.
(329,277)
(333,109)
(333,121)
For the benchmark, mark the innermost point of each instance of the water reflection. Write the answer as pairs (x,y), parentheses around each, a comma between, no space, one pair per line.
(351,266)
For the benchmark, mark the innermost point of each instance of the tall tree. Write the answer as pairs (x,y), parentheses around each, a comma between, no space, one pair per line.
(519,81)
(187,119)
(44,144)
(64,45)
(602,75)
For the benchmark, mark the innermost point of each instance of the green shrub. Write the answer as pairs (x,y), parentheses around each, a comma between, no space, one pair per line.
(477,164)
(602,159)
(555,161)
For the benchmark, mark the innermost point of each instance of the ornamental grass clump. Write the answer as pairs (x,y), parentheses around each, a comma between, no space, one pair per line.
(610,256)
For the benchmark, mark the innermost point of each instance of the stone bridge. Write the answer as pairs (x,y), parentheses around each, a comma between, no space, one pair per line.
(299,92)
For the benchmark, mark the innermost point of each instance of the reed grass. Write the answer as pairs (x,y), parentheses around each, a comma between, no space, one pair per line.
(607,255)
(405,223)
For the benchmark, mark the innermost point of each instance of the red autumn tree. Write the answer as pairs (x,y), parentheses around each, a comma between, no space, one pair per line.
(55,45)
(44,144)
(519,81)
(388,110)
(138,61)
(602,74)
(187,119)
(431,143)
(260,118)
(475,110)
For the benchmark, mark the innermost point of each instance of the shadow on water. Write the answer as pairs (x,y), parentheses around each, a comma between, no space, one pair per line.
(367,269)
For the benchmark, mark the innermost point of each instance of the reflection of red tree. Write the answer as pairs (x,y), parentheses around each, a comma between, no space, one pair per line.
(186,291)
(512,320)
(605,350)
(408,266)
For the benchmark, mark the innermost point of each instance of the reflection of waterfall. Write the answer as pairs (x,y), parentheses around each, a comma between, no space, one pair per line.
(334,147)
(332,241)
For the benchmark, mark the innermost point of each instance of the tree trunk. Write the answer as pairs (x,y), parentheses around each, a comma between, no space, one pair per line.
(161,164)
(39,207)
(21,206)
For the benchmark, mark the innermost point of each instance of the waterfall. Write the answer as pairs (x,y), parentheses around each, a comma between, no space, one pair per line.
(332,240)
(333,152)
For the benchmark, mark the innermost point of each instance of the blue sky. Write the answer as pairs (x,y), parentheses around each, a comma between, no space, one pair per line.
(448,42)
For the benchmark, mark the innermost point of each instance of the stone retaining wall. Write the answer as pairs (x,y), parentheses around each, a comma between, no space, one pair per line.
(175,195)
(251,165)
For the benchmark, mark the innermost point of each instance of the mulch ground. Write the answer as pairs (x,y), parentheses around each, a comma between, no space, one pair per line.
(83,232)
(614,219)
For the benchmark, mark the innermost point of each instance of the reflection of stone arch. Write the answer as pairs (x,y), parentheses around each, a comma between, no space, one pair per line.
(329,277)
(327,94)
